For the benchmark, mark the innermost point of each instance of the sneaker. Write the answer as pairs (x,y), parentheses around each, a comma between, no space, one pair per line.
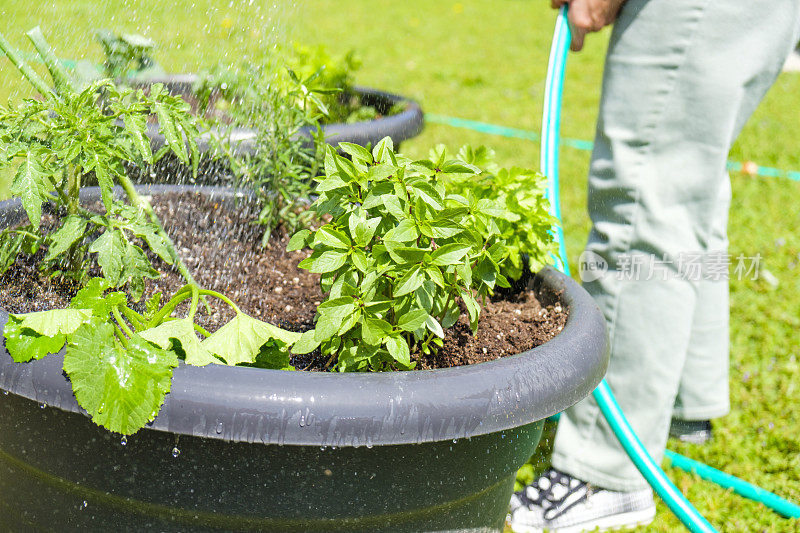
(559,503)
(691,431)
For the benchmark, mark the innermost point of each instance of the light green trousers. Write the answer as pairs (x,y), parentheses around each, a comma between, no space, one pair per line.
(681,78)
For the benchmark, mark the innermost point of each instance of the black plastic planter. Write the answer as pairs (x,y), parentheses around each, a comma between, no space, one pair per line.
(244,449)
(400,127)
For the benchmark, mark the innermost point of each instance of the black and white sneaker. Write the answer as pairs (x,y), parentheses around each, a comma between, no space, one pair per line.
(691,431)
(559,503)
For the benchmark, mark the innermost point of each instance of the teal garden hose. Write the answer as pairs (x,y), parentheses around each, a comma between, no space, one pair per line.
(666,490)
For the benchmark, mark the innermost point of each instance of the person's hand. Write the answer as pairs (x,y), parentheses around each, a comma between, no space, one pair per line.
(587,16)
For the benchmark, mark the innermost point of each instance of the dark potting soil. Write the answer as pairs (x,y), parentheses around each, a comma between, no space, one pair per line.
(221,247)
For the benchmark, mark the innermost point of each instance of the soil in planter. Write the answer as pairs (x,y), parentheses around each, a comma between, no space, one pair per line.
(221,247)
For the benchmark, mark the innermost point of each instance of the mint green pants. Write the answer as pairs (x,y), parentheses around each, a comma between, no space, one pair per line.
(681,78)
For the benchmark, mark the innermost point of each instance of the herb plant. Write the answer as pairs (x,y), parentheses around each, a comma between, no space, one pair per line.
(398,257)
(525,223)
(281,168)
(119,360)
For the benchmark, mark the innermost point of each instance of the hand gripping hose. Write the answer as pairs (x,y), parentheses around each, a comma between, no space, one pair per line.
(684,510)
(605,399)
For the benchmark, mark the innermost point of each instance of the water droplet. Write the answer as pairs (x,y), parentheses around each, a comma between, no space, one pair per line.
(323,448)
(124,440)
(175,452)
(218,429)
(455,440)
(84,505)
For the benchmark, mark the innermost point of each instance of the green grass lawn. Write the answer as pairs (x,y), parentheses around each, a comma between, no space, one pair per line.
(485,60)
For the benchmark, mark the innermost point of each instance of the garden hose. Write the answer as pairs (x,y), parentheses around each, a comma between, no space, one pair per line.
(677,503)
(551,119)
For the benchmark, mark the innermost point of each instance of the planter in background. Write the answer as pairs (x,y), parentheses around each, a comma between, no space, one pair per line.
(399,127)
(246,449)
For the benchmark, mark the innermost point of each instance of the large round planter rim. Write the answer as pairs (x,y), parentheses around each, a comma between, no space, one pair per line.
(356,409)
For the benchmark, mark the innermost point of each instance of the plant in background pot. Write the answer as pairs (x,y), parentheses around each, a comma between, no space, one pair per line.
(402,257)
(280,167)
(127,56)
(227,94)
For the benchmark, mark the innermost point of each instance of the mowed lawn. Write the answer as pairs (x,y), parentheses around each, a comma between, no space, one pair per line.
(485,60)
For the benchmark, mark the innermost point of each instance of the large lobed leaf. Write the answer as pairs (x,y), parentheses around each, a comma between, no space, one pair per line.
(121,387)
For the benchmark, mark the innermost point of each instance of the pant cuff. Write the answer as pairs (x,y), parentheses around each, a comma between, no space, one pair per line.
(701,413)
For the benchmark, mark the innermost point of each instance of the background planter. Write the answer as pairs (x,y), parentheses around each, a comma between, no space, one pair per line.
(400,127)
(250,449)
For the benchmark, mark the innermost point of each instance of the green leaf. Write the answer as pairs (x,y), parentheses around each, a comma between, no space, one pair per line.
(405,254)
(136,126)
(357,152)
(91,296)
(363,230)
(409,282)
(449,254)
(55,321)
(241,339)
(328,261)
(110,249)
(451,317)
(428,194)
(10,246)
(24,344)
(413,320)
(332,237)
(306,344)
(121,387)
(405,231)
(30,185)
(136,268)
(433,325)
(360,260)
(374,330)
(182,331)
(299,240)
(435,275)
(490,208)
(171,134)
(331,184)
(457,167)
(398,349)
(380,172)
(333,315)
(472,308)
(443,229)
(70,232)
(156,242)
(105,182)
(382,150)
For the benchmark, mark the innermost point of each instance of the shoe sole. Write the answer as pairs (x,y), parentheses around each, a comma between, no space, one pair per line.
(606,523)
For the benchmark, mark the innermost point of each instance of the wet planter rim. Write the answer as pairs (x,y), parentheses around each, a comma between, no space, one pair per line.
(403,126)
(356,409)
